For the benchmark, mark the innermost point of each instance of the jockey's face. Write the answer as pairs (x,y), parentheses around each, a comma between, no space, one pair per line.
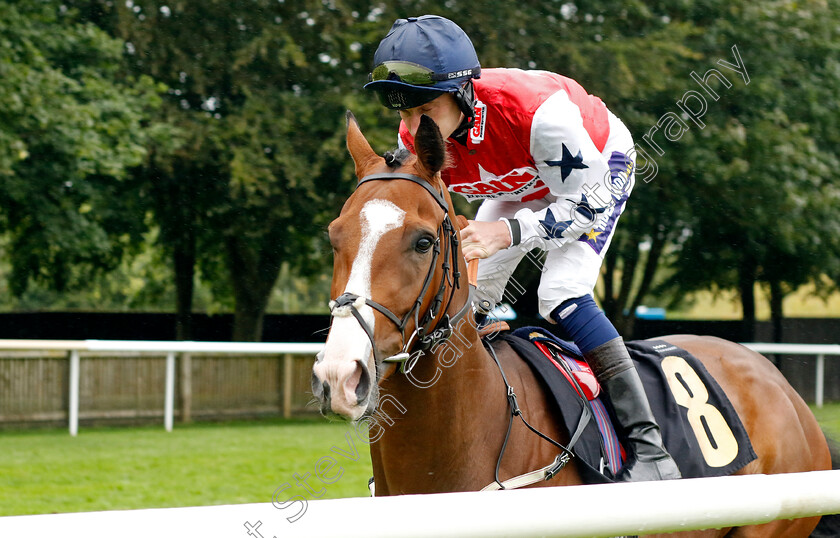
(444,110)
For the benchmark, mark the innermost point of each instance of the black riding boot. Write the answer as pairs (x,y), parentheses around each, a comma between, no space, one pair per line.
(647,458)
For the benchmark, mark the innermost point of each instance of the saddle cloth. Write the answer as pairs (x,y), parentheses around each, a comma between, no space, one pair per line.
(700,428)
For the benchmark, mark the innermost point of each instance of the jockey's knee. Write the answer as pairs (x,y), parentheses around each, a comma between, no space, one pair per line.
(584,323)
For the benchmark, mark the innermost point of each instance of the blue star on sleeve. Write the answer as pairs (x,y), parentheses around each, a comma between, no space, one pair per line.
(568,163)
(585,209)
(554,229)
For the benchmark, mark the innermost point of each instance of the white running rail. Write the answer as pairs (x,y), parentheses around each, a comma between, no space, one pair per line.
(75,349)
(573,511)
(820,350)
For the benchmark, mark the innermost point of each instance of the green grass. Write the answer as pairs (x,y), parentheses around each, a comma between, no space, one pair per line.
(48,471)
(45,471)
(829,417)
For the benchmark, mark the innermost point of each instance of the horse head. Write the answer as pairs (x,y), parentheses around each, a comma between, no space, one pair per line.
(395,271)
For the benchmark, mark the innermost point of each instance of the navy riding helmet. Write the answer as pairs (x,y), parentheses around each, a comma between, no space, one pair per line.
(422,58)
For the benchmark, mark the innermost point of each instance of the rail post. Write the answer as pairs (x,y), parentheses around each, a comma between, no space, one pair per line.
(73,389)
(185,366)
(820,388)
(169,392)
(287,386)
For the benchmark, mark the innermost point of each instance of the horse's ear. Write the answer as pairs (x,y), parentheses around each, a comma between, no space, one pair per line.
(358,146)
(428,142)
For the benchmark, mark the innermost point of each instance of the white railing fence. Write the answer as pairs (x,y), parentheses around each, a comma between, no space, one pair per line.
(76,350)
(573,511)
(600,510)
(821,351)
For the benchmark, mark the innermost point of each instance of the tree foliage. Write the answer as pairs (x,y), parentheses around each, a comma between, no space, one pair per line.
(259,91)
(764,170)
(251,165)
(70,128)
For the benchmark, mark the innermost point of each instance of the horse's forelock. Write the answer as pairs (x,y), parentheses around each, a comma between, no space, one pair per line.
(398,157)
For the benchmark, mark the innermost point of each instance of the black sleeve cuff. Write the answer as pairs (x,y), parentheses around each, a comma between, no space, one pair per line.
(515,232)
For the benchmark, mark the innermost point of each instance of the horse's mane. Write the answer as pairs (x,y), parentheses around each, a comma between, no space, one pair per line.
(396,158)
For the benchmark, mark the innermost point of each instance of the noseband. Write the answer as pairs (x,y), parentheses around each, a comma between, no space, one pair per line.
(422,338)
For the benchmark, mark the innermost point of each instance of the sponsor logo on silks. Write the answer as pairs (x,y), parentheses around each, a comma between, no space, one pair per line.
(477,131)
(621,169)
(603,228)
(513,184)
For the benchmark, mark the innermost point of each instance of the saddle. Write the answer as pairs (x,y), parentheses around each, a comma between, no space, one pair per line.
(700,428)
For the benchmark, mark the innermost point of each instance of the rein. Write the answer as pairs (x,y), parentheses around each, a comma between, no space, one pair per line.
(549,471)
(422,338)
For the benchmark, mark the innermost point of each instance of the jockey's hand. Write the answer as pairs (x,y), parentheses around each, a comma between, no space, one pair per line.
(483,239)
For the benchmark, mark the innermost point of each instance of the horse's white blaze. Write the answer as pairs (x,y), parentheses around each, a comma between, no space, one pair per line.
(347,341)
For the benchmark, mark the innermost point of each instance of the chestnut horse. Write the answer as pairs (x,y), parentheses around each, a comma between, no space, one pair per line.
(442,416)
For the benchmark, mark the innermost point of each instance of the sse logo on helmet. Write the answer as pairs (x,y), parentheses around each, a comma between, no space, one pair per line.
(459,74)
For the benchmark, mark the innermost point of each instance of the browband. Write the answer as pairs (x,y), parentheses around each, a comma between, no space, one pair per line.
(410,177)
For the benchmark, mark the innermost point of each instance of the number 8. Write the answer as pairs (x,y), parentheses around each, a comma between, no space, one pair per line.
(717,442)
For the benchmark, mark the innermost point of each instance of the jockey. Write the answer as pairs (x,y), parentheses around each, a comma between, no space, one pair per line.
(554,169)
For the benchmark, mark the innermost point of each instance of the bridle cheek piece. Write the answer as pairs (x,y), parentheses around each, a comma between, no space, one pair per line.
(422,339)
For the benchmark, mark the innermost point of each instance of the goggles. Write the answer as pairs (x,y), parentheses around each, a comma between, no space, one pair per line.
(415,74)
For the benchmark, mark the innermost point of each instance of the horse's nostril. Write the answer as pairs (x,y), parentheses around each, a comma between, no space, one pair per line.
(363,388)
(315,383)
(320,389)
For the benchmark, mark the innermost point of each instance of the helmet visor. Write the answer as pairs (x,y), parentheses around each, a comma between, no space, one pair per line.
(414,74)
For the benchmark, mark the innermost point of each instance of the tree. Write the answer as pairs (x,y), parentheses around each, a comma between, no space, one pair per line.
(733,191)
(259,90)
(635,58)
(768,181)
(70,128)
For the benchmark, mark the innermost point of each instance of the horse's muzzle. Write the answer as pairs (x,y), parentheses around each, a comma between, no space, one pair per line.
(343,388)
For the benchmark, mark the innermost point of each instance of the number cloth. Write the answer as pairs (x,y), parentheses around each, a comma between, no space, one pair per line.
(708,439)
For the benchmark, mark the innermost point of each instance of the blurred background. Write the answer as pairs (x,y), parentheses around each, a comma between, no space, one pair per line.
(168,170)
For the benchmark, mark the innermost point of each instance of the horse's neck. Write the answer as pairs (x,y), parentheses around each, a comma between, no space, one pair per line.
(442,380)
(442,428)
(428,434)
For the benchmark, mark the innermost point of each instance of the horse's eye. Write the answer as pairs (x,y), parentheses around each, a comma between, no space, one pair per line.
(423,245)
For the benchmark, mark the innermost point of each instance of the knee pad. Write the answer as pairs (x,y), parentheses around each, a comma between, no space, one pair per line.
(584,323)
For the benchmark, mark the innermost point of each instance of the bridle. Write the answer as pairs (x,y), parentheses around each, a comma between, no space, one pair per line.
(422,338)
